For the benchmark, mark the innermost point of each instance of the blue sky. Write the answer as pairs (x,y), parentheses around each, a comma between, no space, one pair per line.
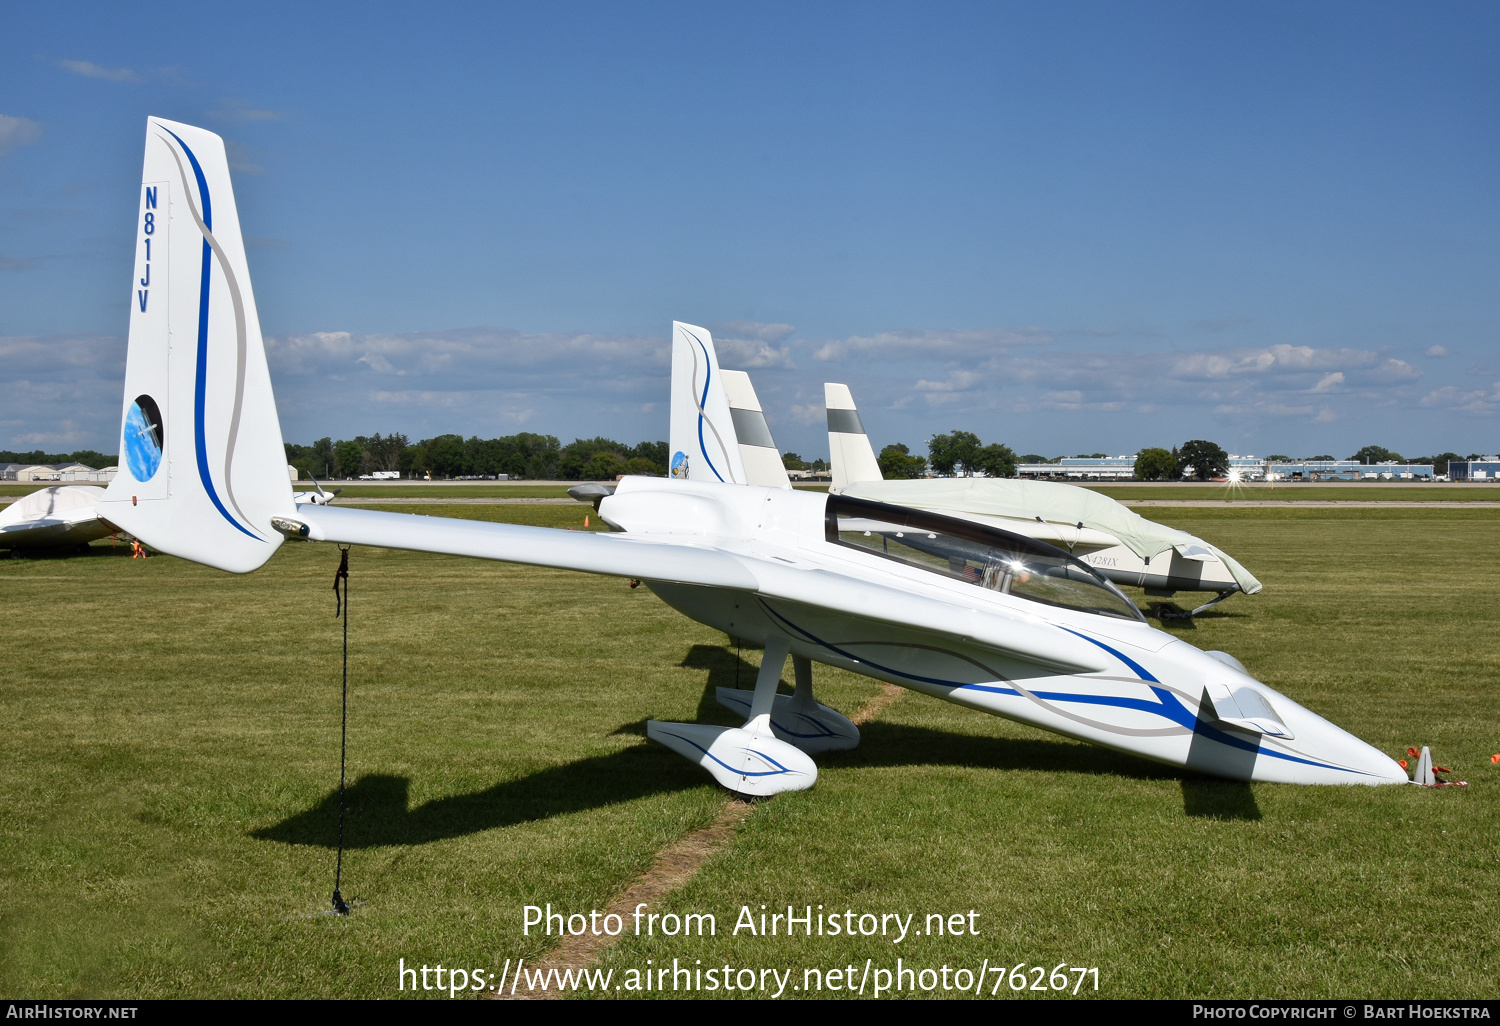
(1068,227)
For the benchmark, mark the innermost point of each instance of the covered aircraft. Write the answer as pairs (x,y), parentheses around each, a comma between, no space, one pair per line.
(1120,544)
(956,609)
(64,517)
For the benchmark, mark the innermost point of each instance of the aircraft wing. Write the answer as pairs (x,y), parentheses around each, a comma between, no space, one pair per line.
(683,562)
(616,555)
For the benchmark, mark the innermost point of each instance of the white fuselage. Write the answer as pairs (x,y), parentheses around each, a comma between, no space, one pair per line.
(1107,680)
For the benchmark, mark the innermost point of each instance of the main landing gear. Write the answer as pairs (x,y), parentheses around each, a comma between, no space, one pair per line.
(770,753)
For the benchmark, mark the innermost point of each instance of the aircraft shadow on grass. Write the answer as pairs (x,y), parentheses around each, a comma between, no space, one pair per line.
(1177,618)
(378,813)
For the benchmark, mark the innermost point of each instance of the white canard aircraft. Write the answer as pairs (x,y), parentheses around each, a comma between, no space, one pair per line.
(958,610)
(1116,541)
(53,518)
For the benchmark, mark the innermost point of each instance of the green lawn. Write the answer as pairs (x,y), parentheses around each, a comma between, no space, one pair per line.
(1284,492)
(172,752)
(417,489)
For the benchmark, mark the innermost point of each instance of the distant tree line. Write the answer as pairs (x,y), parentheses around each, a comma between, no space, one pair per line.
(524,456)
(792,461)
(1198,459)
(1203,460)
(88,457)
(543,457)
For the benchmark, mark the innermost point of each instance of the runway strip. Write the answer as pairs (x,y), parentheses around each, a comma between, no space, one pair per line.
(674,866)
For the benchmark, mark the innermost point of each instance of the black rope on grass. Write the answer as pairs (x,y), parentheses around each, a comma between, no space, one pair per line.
(341,609)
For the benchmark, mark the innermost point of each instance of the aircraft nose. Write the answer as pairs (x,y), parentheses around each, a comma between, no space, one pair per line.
(1349,759)
(1296,745)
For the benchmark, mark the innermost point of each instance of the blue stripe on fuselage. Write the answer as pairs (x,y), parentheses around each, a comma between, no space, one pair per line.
(1168,706)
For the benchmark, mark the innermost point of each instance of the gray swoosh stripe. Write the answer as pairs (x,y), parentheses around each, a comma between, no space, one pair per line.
(1049,706)
(702,413)
(239,331)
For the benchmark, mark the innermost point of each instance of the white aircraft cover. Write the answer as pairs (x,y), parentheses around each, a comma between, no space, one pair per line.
(64,515)
(1053,503)
(51,503)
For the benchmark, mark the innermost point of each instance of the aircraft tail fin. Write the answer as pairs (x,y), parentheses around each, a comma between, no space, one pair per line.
(758,452)
(701,436)
(202,467)
(849,448)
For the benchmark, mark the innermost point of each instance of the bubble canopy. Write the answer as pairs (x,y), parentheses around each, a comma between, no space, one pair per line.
(976,554)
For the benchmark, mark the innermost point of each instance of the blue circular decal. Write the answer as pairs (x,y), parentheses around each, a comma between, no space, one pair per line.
(143,438)
(680,466)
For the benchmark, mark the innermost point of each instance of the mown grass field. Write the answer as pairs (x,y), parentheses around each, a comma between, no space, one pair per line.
(1391,491)
(171,757)
(1283,492)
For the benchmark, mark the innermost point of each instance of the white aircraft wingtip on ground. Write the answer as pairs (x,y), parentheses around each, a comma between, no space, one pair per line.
(952,608)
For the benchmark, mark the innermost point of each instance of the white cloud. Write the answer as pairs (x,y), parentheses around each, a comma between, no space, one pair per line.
(957,381)
(1469,400)
(1072,399)
(809,413)
(752,329)
(1437,351)
(61,391)
(88,69)
(901,345)
(491,381)
(748,354)
(1393,371)
(487,381)
(243,112)
(16,132)
(1243,383)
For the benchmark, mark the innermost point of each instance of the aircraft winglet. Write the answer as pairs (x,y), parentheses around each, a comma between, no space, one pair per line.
(849,448)
(758,450)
